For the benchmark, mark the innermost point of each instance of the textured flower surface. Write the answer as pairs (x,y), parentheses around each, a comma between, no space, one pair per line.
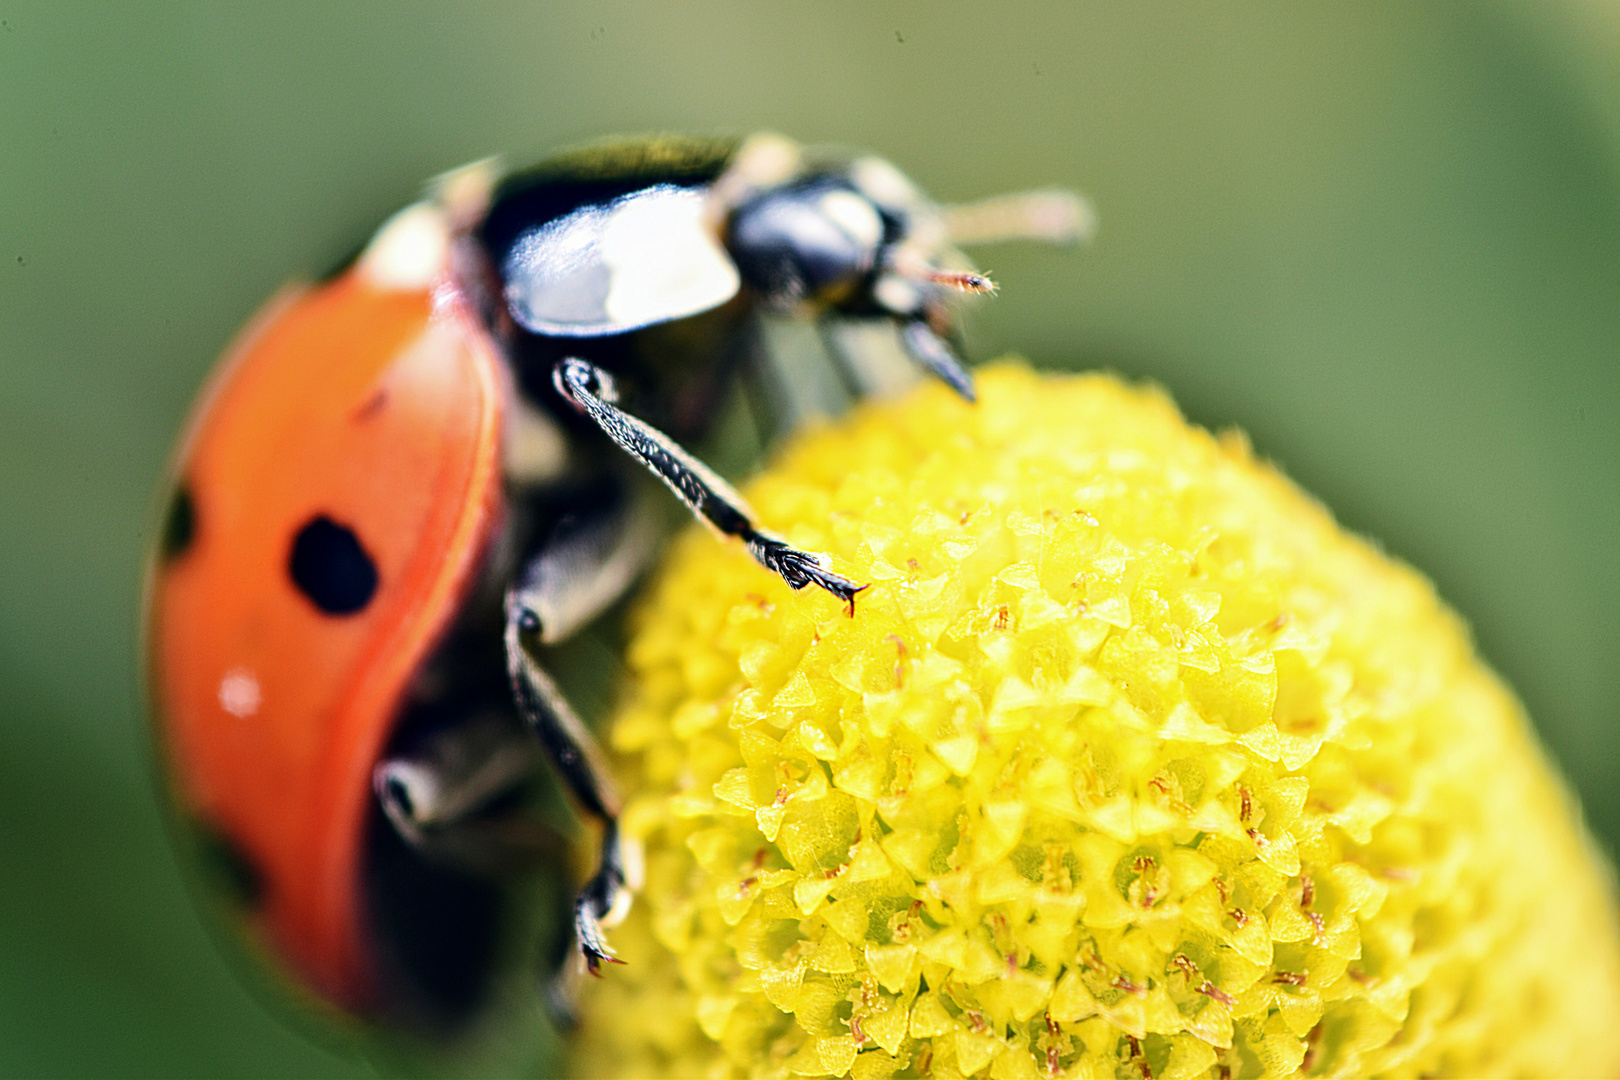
(1129,763)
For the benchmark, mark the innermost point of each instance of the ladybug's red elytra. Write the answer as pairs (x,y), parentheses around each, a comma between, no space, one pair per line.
(407,481)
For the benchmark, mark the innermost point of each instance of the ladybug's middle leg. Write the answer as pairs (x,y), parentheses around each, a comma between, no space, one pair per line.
(577,759)
(587,560)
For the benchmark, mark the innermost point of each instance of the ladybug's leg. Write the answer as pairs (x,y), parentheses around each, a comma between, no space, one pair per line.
(433,788)
(931,352)
(709,497)
(578,762)
(586,561)
(868,352)
(791,375)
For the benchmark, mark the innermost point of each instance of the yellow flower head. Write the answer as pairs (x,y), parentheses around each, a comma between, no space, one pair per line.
(1129,763)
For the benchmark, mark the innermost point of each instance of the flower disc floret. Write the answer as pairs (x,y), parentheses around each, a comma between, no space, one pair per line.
(1130,762)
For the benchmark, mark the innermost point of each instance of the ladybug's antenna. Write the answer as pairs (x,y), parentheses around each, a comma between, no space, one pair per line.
(913,267)
(1053,216)
(963,281)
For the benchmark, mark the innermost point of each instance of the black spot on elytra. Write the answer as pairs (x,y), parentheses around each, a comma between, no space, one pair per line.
(372,405)
(179,525)
(228,868)
(330,567)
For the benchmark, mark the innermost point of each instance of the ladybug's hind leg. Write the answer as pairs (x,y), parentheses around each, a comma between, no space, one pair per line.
(437,791)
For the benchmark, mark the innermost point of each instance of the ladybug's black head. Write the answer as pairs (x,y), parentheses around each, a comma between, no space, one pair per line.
(856,238)
(815,244)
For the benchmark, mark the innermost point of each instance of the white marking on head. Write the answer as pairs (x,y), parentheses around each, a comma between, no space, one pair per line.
(883,183)
(855,215)
(409,252)
(239,692)
(766,158)
(896,294)
(665,260)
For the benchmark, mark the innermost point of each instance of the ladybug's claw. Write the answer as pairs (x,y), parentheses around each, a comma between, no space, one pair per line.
(799,568)
(592,946)
(598,901)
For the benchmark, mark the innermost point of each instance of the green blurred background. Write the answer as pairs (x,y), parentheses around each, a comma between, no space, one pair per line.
(1384,238)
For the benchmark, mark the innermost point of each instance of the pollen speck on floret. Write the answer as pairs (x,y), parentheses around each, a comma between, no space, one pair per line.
(1130,763)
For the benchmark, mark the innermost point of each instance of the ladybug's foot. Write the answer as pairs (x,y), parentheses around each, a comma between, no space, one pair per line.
(591,391)
(593,946)
(603,900)
(798,568)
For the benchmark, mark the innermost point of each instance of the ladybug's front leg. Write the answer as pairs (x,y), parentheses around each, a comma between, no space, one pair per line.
(591,390)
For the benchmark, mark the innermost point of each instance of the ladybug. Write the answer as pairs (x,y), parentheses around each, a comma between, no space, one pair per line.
(407,481)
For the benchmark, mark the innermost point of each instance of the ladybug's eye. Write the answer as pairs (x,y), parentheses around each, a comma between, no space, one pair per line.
(330,567)
(228,867)
(179,525)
